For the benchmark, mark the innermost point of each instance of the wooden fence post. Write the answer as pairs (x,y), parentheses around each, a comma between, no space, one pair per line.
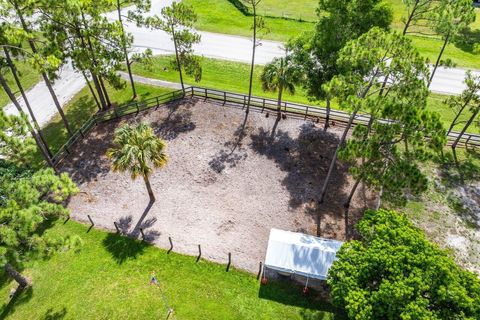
(199,253)
(259,271)
(229,260)
(143,234)
(206,95)
(306,113)
(171,245)
(224,97)
(468,140)
(91,221)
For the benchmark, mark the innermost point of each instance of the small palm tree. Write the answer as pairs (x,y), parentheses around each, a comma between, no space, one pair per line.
(281,74)
(138,150)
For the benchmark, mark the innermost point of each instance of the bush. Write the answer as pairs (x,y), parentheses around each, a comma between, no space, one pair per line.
(396,273)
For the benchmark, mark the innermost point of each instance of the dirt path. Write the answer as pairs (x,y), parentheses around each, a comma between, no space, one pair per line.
(223,188)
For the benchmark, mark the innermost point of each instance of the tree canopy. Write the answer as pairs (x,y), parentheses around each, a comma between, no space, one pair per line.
(339,21)
(394,272)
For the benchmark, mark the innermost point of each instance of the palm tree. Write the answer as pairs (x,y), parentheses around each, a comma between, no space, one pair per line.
(280,75)
(138,150)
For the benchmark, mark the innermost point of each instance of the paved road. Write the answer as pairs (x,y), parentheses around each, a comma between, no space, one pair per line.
(447,81)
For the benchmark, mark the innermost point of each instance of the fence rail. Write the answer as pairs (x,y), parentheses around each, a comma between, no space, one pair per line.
(111,114)
(296,110)
(307,112)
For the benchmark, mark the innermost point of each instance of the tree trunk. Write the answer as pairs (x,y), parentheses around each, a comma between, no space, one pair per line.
(454,122)
(12,98)
(445,42)
(465,127)
(334,160)
(17,276)
(327,115)
(104,91)
(410,18)
(346,206)
(13,69)
(379,202)
(124,45)
(44,75)
(149,189)
(279,112)
(96,83)
(91,90)
(179,65)
(253,56)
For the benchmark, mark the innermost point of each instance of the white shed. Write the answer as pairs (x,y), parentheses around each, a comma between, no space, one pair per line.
(301,254)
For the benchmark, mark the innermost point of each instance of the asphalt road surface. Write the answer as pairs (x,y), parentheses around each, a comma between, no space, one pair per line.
(228,47)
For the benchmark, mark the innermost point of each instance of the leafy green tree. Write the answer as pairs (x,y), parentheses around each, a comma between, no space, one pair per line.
(20,14)
(281,74)
(417,15)
(394,272)
(339,21)
(30,202)
(448,19)
(135,15)
(138,150)
(467,101)
(178,20)
(15,142)
(81,32)
(389,157)
(8,62)
(365,63)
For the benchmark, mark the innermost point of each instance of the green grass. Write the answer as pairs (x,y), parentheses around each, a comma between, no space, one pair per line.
(109,279)
(28,78)
(82,106)
(234,76)
(223,17)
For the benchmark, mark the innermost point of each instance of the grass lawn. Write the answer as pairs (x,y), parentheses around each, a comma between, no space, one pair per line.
(109,279)
(234,76)
(28,77)
(82,106)
(223,17)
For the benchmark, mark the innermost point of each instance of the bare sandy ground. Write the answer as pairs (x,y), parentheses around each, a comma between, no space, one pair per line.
(223,188)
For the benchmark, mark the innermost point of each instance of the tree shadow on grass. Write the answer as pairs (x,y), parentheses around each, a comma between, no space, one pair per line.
(55,315)
(123,248)
(468,41)
(313,306)
(18,298)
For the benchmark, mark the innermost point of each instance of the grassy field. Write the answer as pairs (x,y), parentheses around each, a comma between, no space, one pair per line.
(108,278)
(223,17)
(234,76)
(82,106)
(28,78)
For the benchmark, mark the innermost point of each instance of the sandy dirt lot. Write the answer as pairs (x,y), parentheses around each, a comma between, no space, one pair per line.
(223,187)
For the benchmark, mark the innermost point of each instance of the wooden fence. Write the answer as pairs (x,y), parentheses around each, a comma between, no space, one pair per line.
(296,110)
